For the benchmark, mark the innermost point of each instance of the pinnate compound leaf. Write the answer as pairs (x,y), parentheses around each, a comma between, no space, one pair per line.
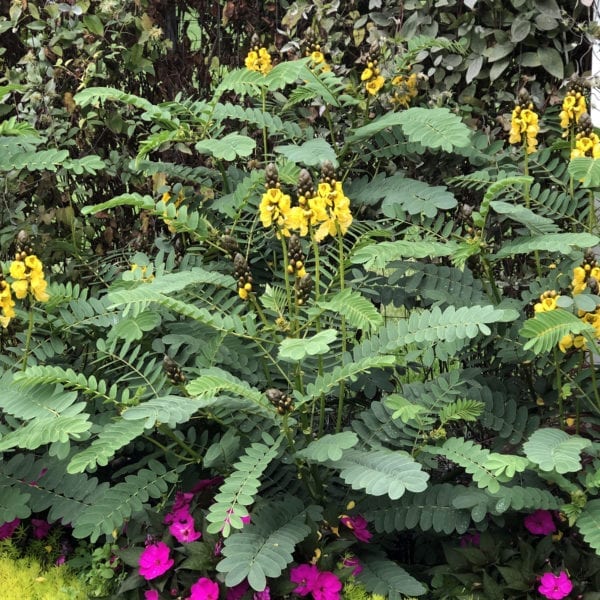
(380,472)
(416,197)
(296,349)
(377,256)
(113,437)
(164,409)
(239,489)
(265,547)
(329,447)
(312,152)
(384,577)
(472,457)
(229,147)
(586,170)
(432,127)
(110,510)
(552,242)
(555,450)
(588,524)
(359,312)
(546,329)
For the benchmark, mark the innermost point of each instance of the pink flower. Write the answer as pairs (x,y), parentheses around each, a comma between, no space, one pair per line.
(204,589)
(326,587)
(555,587)
(7,529)
(352,562)
(540,522)
(60,560)
(155,560)
(246,519)
(306,577)
(151,595)
(359,527)
(237,591)
(41,528)
(182,527)
(264,595)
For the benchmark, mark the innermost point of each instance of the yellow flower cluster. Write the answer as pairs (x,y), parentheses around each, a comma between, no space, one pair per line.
(524,126)
(586,145)
(573,106)
(7,304)
(275,208)
(28,273)
(372,77)
(325,212)
(406,89)
(547,302)
(583,276)
(259,59)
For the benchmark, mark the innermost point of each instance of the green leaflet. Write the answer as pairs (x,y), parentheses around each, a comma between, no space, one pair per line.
(555,450)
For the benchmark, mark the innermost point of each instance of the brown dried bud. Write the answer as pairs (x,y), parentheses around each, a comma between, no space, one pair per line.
(271,176)
(173,371)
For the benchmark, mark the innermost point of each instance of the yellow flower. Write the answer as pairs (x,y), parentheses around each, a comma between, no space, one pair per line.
(366,74)
(20,288)
(6,304)
(298,219)
(524,121)
(38,288)
(17,269)
(374,85)
(317,57)
(259,60)
(29,276)
(407,89)
(565,342)
(274,208)
(251,61)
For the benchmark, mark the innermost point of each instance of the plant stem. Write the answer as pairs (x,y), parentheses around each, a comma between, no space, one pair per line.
(28,338)
(264,129)
(167,432)
(559,389)
(342,389)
